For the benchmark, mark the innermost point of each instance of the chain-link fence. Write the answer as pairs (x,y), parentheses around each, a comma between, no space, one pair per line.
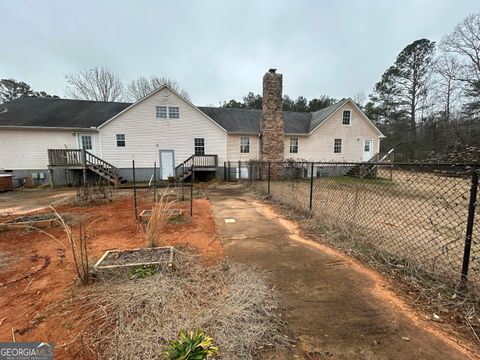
(418,216)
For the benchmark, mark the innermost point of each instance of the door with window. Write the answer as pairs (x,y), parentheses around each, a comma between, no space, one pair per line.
(167,164)
(367,150)
(86,141)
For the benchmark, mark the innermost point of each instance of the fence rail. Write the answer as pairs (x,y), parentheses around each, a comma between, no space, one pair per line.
(423,216)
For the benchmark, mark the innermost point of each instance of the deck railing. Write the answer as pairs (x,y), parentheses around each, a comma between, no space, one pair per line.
(65,157)
(80,158)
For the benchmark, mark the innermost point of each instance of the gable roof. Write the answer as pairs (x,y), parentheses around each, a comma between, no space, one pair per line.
(57,113)
(164,86)
(81,114)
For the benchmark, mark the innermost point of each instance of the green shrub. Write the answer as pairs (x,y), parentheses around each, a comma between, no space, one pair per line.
(191,346)
(141,271)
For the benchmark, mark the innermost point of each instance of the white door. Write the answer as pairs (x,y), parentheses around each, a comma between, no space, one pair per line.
(85,141)
(367,150)
(166,164)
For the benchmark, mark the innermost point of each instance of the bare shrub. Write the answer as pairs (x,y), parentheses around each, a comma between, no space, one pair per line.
(157,220)
(137,318)
(99,192)
(78,244)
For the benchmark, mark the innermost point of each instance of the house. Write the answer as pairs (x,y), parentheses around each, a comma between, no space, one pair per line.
(167,129)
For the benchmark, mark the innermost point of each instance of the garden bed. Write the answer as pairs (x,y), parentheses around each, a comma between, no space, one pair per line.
(161,257)
(41,221)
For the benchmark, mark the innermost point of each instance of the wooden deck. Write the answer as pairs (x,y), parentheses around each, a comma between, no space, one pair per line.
(80,159)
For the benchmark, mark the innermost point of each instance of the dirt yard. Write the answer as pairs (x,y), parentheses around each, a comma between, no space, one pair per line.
(37,270)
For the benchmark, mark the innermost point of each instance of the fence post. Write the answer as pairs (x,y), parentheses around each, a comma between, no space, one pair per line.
(311,188)
(134,190)
(239,171)
(268,179)
(154,181)
(250,175)
(192,179)
(229,171)
(470,220)
(225,171)
(183,182)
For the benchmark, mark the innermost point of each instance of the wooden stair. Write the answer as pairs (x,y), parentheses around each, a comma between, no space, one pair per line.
(81,159)
(369,169)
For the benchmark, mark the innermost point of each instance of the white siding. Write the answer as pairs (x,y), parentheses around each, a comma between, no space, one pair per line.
(319,145)
(145,135)
(233,148)
(27,149)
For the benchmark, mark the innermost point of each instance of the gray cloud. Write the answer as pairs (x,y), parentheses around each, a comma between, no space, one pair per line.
(219,50)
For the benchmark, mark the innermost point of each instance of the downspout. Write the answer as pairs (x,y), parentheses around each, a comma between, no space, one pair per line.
(100,143)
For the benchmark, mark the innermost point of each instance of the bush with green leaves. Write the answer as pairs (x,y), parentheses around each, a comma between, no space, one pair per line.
(194,345)
(141,271)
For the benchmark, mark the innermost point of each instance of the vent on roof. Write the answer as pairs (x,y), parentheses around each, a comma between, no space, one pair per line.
(272,71)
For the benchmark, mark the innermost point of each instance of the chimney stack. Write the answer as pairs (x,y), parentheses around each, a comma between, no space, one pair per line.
(271,124)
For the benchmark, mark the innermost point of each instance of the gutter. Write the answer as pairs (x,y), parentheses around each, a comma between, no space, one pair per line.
(16,127)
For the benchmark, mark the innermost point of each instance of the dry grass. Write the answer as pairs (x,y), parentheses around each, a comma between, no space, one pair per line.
(133,319)
(158,220)
(4,260)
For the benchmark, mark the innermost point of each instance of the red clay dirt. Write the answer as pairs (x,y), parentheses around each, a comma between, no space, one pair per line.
(26,304)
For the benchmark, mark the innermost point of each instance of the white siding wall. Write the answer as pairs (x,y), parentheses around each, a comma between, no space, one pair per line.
(319,145)
(233,148)
(145,135)
(27,149)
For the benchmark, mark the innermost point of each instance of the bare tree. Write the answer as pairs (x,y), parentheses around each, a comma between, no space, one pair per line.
(464,41)
(142,86)
(99,84)
(447,69)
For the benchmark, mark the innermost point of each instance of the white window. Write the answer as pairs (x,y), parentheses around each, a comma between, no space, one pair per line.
(120,140)
(161,112)
(173,112)
(244,144)
(199,144)
(346,117)
(337,146)
(293,145)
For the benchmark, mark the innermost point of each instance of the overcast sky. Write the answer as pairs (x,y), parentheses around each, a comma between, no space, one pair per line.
(219,50)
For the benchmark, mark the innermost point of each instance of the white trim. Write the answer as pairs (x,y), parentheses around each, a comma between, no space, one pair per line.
(350,120)
(153,93)
(365,117)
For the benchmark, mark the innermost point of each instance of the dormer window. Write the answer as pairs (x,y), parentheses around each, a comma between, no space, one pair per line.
(347,117)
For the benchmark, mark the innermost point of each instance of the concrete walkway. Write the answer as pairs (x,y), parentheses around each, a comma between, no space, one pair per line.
(337,308)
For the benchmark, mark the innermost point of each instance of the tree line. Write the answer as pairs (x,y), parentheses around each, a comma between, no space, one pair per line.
(97,84)
(300,104)
(428,102)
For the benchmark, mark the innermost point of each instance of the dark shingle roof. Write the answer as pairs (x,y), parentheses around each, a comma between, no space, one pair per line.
(248,120)
(52,112)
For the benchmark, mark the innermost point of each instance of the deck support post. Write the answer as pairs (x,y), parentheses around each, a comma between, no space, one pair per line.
(52,181)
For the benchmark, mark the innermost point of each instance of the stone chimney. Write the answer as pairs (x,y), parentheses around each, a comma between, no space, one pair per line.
(271,124)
